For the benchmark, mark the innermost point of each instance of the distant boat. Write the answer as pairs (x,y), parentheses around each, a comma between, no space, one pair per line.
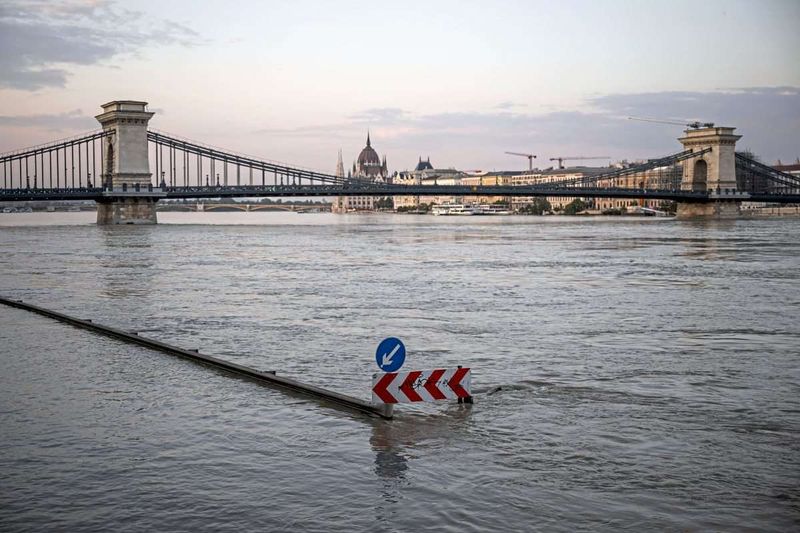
(493,209)
(455,210)
(649,212)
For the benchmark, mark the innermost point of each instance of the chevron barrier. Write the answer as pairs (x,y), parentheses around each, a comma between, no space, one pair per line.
(421,386)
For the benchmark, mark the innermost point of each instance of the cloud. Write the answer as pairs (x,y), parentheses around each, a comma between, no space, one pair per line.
(382,115)
(41,39)
(70,120)
(767,117)
(508,105)
(315,131)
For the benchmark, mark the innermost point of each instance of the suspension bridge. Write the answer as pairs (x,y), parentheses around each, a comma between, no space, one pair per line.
(112,166)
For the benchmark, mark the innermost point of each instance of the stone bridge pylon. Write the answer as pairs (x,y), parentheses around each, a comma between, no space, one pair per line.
(713,172)
(128,196)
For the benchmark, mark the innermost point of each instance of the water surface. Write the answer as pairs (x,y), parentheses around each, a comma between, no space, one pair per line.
(649,373)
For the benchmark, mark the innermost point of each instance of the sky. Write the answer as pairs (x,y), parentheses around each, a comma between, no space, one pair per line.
(460,82)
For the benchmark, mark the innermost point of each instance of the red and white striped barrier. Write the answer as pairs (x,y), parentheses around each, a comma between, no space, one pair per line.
(421,386)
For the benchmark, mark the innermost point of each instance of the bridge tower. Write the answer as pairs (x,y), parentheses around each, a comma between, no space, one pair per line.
(713,172)
(128,196)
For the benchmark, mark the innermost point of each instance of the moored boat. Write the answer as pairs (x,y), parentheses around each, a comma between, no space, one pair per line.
(493,209)
(455,209)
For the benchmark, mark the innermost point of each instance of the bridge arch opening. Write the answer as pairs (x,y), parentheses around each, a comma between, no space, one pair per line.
(700,175)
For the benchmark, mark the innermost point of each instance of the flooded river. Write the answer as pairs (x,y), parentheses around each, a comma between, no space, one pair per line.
(648,374)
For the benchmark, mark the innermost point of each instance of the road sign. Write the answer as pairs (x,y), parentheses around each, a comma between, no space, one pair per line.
(390,355)
(421,386)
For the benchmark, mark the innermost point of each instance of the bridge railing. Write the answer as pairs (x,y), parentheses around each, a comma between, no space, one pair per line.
(609,179)
(74,162)
(192,164)
(229,152)
(21,152)
(757,178)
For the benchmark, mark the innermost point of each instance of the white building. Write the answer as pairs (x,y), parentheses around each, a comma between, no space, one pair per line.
(425,174)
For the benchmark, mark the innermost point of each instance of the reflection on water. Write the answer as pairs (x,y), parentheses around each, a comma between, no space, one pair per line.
(392,440)
(390,462)
(391,465)
(126,274)
(627,372)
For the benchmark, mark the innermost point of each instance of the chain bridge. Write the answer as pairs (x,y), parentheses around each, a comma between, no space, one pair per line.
(112,166)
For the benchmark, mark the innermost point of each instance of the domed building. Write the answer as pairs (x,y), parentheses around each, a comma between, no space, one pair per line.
(368,166)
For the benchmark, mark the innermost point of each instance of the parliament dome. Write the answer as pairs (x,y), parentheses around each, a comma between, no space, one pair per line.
(368,162)
(368,155)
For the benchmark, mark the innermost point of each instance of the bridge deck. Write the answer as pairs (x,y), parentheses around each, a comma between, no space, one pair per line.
(277,191)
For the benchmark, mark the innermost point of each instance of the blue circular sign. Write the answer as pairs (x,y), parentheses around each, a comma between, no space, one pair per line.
(390,355)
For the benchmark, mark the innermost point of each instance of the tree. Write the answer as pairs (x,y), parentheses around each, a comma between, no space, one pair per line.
(538,206)
(575,206)
(384,203)
(669,206)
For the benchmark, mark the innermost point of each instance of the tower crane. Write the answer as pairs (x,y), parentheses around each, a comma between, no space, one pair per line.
(696,125)
(530,157)
(566,158)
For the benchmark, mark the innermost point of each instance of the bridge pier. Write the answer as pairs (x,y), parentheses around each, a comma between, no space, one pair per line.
(127,211)
(713,172)
(717,209)
(128,195)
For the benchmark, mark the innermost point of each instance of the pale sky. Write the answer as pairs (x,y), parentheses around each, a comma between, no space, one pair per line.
(459,81)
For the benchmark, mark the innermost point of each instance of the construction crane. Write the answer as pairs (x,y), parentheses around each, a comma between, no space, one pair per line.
(693,125)
(530,157)
(562,159)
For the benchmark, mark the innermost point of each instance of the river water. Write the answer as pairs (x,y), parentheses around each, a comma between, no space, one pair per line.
(649,374)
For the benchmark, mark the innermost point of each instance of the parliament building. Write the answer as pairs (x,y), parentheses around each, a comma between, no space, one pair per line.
(367,167)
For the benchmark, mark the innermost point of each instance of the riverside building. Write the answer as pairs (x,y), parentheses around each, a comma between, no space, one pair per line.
(792,168)
(486,178)
(657,178)
(667,177)
(425,174)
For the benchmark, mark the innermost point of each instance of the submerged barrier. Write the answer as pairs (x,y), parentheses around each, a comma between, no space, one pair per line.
(265,378)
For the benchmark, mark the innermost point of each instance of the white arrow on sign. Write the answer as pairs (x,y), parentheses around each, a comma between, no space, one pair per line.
(387,357)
